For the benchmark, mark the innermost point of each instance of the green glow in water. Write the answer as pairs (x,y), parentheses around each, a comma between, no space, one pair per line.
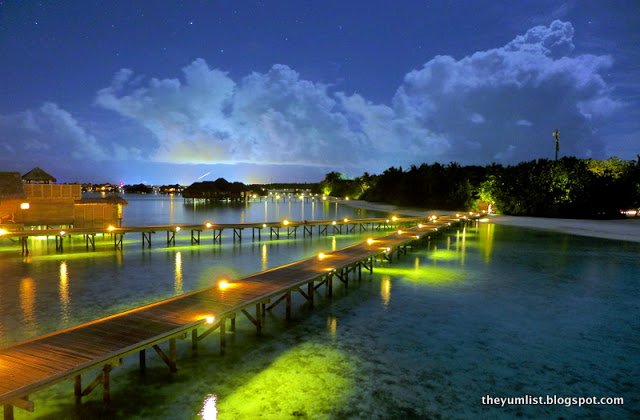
(310,380)
(442,255)
(423,274)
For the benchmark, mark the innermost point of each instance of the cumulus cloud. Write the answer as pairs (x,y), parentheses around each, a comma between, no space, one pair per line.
(442,111)
(530,78)
(51,132)
(501,104)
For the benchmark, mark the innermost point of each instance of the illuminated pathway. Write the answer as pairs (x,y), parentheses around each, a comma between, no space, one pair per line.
(274,229)
(29,366)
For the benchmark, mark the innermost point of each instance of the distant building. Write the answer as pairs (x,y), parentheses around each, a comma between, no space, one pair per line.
(33,200)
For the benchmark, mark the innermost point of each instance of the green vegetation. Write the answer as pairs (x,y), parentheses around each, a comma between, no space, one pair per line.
(568,187)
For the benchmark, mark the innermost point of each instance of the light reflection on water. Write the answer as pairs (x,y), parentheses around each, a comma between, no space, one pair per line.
(209,408)
(28,302)
(385,290)
(177,287)
(63,289)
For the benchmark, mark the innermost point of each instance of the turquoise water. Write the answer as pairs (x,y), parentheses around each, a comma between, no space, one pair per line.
(488,310)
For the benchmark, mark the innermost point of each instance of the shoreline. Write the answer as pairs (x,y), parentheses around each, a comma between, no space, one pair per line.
(621,230)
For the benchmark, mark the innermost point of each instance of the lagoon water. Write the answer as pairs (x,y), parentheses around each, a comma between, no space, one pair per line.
(485,310)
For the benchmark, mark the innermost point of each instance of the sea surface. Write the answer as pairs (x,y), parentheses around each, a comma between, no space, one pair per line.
(484,310)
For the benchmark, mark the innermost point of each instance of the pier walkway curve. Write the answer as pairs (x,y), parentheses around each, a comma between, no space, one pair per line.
(100,345)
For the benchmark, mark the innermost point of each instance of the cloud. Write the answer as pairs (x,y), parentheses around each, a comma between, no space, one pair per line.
(52,133)
(524,123)
(530,78)
(440,112)
(475,109)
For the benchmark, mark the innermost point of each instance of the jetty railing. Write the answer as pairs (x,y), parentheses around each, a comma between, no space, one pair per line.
(275,230)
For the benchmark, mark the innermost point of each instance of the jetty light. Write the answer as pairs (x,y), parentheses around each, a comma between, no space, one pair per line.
(62,233)
(111,228)
(210,319)
(264,225)
(420,225)
(483,220)
(399,232)
(370,241)
(324,198)
(346,198)
(285,222)
(434,217)
(208,224)
(322,256)
(457,214)
(333,223)
(3,231)
(417,236)
(223,284)
(178,228)
(394,218)
(24,206)
(387,220)
(345,220)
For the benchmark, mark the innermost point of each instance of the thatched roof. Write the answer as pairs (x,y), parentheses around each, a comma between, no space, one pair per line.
(11,185)
(38,175)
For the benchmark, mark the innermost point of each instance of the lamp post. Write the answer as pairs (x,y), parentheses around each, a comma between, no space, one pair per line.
(556,136)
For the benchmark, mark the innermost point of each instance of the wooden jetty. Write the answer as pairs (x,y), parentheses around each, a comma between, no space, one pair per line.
(100,345)
(275,230)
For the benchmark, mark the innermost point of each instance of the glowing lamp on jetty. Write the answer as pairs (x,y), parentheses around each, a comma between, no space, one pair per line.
(322,256)
(223,284)
(178,228)
(24,206)
(345,220)
(111,228)
(394,218)
(370,241)
(333,223)
(62,233)
(285,222)
(264,225)
(3,232)
(387,221)
(210,319)
(208,225)
(420,225)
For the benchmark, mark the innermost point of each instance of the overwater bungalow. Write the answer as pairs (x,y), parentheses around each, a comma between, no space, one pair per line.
(34,199)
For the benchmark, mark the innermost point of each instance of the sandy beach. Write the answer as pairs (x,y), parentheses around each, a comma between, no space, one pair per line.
(623,230)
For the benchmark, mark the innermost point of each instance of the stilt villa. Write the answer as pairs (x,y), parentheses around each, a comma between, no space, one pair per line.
(34,199)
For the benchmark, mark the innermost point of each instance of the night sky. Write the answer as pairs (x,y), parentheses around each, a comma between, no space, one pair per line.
(173,91)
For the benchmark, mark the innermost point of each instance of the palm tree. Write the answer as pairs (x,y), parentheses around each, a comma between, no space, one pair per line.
(556,136)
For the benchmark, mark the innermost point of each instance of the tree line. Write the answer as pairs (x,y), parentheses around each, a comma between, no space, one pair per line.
(568,187)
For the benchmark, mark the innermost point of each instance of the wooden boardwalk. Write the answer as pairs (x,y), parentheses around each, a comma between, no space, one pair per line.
(29,366)
(275,230)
